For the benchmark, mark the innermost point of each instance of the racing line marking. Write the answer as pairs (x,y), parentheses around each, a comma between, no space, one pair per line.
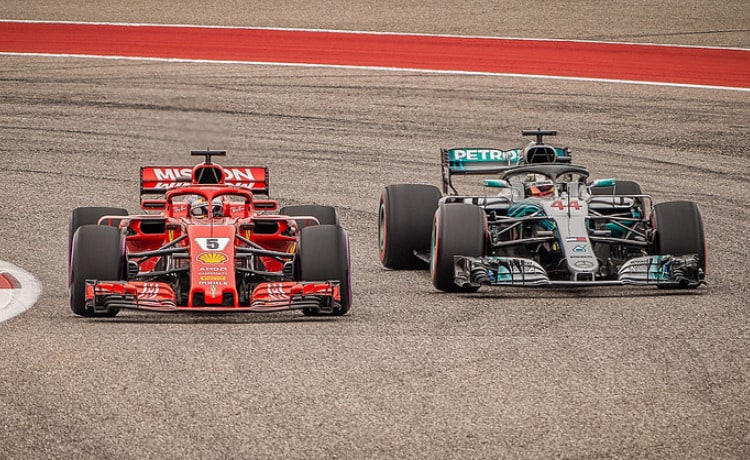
(686,66)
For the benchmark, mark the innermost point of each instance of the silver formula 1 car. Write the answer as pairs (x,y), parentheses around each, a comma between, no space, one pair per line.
(539,222)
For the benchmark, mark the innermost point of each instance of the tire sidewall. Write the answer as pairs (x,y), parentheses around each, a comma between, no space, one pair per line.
(458,230)
(405,216)
(322,254)
(97,252)
(678,230)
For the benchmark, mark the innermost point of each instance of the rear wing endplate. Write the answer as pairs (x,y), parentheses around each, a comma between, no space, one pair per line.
(467,161)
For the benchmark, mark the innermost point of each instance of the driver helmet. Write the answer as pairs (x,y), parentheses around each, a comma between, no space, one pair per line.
(539,185)
(199,208)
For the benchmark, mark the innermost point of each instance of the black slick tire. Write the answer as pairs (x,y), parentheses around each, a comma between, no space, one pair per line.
(405,219)
(459,230)
(679,230)
(89,216)
(97,253)
(323,255)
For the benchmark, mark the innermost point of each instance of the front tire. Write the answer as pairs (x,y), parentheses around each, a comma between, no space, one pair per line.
(405,219)
(98,253)
(459,230)
(323,255)
(88,216)
(679,230)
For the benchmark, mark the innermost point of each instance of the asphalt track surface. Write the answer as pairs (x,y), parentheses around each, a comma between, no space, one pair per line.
(410,373)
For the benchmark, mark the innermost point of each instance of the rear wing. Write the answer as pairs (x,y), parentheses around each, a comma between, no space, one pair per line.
(466,161)
(159,179)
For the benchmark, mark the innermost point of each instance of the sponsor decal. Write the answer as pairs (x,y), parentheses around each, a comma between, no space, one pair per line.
(576,239)
(584,264)
(213,278)
(171,185)
(172,174)
(212,257)
(249,186)
(562,206)
(240,174)
(276,291)
(484,155)
(149,291)
(580,248)
(212,244)
(211,269)
(167,178)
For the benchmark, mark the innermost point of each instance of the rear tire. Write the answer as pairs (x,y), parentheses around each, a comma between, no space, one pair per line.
(323,255)
(405,223)
(98,252)
(459,230)
(621,187)
(679,230)
(326,215)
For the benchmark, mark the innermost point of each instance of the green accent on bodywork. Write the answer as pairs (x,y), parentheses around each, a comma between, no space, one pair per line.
(616,230)
(496,183)
(502,274)
(603,183)
(659,269)
(620,229)
(529,208)
(524,208)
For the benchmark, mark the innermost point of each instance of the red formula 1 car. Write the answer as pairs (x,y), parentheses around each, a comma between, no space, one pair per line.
(207,243)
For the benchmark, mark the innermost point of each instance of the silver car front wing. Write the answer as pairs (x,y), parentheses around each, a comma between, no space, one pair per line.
(667,271)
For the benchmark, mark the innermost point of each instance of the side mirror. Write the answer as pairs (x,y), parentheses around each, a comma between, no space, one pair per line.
(265,205)
(153,205)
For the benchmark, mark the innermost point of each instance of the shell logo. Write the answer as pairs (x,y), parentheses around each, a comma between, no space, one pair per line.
(212,258)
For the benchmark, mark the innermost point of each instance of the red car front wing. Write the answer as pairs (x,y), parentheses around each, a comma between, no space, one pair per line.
(103,296)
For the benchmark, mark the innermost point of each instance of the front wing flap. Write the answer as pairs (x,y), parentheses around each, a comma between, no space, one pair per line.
(498,271)
(667,271)
(102,296)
